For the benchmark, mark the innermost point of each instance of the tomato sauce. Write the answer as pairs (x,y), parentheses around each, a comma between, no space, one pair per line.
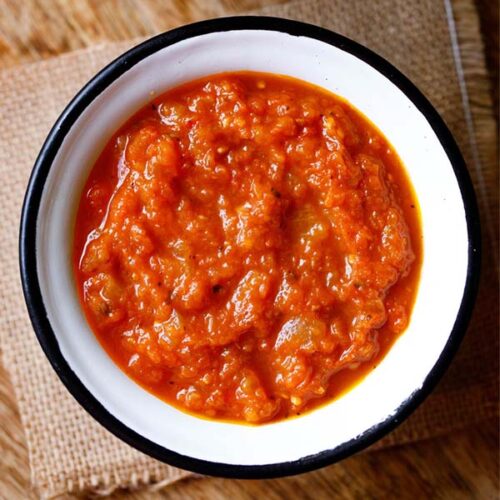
(247,247)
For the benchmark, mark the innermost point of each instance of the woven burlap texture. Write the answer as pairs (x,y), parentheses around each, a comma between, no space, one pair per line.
(68,450)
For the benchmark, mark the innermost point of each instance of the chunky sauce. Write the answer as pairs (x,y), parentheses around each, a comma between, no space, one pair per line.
(247,247)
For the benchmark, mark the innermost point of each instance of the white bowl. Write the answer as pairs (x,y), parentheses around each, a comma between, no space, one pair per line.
(449,271)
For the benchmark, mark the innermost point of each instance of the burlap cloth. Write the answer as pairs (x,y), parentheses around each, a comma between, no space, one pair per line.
(68,450)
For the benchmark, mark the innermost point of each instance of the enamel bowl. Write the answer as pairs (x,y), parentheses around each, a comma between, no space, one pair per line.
(450,262)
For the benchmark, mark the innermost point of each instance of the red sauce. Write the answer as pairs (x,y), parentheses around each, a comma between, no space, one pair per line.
(247,247)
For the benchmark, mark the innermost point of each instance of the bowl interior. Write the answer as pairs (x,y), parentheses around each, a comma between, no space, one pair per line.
(444,269)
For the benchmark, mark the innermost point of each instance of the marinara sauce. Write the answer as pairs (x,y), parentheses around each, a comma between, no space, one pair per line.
(247,247)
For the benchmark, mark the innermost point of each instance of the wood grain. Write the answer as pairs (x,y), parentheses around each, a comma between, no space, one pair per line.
(488,14)
(460,466)
(446,468)
(34,29)
(14,466)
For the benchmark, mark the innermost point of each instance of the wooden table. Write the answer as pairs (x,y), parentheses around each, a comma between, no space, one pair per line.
(463,465)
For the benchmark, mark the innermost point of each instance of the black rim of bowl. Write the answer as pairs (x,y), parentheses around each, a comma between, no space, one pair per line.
(27,246)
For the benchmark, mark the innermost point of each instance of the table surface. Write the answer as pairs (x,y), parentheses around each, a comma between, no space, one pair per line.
(462,465)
